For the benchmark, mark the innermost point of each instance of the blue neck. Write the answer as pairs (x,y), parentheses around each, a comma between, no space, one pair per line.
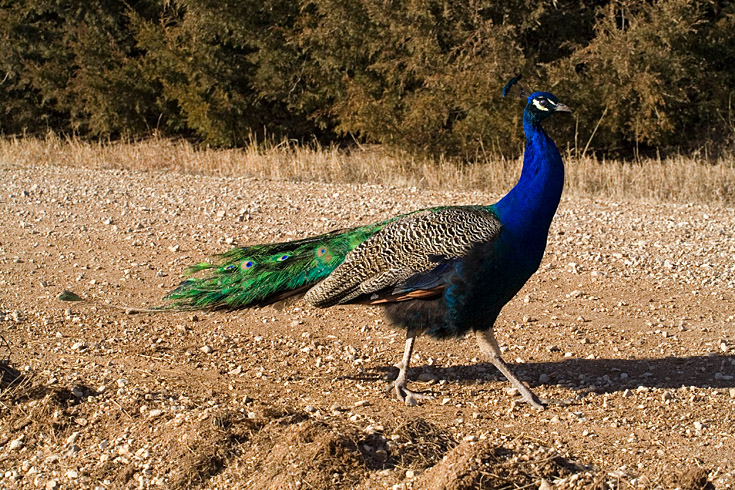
(527,210)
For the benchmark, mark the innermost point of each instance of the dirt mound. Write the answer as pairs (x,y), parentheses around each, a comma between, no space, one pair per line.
(296,452)
(485,464)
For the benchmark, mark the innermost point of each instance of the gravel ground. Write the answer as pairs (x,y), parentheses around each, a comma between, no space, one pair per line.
(628,325)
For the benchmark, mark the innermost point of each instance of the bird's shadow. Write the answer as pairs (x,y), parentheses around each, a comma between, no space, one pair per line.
(599,375)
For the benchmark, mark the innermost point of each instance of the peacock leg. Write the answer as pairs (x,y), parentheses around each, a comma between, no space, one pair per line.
(487,343)
(402,393)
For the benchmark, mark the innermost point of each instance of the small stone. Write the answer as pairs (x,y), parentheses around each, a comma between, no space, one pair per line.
(512,391)
(698,425)
(310,409)
(206,349)
(51,484)
(72,474)
(156,412)
(174,248)
(381,455)
(362,403)
(470,438)
(79,346)
(15,444)
(446,401)
(72,438)
(543,378)
(623,375)
(410,473)
(372,429)
(545,485)
(122,383)
(426,378)
(732,392)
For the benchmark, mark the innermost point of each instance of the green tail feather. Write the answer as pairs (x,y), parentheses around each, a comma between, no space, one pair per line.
(261,274)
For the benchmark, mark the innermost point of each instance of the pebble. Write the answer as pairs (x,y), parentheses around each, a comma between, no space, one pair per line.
(545,485)
(15,444)
(362,403)
(543,378)
(156,412)
(206,349)
(372,429)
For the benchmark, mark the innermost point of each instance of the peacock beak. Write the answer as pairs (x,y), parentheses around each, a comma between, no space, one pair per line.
(563,108)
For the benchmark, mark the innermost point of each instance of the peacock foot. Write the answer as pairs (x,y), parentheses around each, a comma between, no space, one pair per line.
(405,395)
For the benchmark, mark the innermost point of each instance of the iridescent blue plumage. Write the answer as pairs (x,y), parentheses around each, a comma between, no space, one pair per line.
(442,271)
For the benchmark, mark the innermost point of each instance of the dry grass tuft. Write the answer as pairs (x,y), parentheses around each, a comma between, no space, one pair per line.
(676,179)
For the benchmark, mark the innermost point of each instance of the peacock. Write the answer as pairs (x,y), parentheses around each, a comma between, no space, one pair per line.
(440,271)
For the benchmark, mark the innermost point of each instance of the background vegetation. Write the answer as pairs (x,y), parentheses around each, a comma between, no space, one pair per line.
(417,75)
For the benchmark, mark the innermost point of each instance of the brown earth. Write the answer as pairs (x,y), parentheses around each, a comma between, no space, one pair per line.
(628,326)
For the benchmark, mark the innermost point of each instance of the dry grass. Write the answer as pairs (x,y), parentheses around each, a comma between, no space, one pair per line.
(678,179)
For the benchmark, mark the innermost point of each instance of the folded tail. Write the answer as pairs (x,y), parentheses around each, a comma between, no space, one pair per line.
(262,274)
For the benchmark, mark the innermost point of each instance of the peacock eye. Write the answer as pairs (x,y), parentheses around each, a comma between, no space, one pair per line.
(248,264)
(282,258)
(543,102)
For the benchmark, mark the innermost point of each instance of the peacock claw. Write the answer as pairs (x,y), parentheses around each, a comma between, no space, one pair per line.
(405,395)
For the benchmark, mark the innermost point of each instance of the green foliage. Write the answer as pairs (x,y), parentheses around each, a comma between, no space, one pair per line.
(655,74)
(418,75)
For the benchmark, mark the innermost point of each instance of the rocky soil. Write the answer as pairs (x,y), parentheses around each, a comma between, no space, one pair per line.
(628,327)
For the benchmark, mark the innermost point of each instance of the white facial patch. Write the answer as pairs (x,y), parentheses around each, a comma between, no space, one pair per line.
(540,107)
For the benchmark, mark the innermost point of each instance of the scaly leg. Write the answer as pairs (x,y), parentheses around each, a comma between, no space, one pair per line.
(402,393)
(487,343)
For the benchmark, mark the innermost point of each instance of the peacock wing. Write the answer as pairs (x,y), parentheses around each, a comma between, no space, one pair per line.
(408,258)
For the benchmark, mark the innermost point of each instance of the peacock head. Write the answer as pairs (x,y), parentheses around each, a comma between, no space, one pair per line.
(539,106)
